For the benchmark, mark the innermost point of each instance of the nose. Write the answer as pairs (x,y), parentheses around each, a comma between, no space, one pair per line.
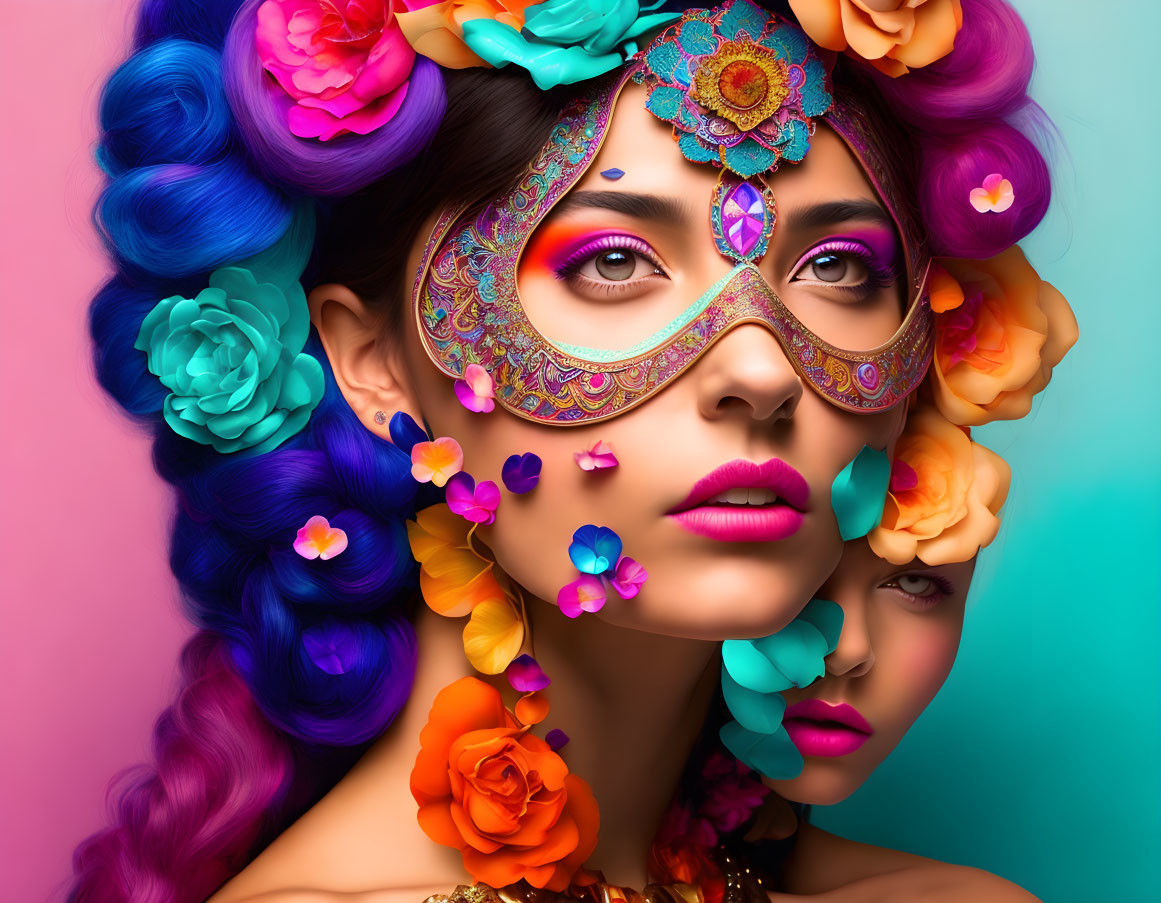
(746,371)
(854,655)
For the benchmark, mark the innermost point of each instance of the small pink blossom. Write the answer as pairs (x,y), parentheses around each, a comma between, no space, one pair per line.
(471,502)
(436,461)
(599,457)
(628,577)
(525,675)
(318,539)
(476,391)
(343,64)
(586,593)
(995,196)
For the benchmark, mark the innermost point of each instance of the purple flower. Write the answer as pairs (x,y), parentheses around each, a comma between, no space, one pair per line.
(525,675)
(556,739)
(475,503)
(521,473)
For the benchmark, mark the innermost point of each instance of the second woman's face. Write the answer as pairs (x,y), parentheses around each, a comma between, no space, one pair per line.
(744,561)
(900,634)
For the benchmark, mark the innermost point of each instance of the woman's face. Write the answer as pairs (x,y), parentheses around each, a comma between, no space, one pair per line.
(741,401)
(901,630)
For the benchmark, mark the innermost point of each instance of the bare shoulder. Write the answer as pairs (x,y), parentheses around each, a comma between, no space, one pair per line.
(838,870)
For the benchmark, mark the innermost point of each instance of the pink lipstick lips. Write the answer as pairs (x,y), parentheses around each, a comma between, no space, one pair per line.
(820,729)
(746,502)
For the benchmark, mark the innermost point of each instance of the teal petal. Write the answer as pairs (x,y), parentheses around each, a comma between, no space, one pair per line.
(296,327)
(827,617)
(759,712)
(859,491)
(773,755)
(749,158)
(790,41)
(796,651)
(663,60)
(646,24)
(691,148)
(697,38)
(750,668)
(665,102)
(816,100)
(742,16)
(797,140)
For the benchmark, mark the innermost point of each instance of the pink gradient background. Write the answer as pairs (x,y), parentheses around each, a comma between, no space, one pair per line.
(88,638)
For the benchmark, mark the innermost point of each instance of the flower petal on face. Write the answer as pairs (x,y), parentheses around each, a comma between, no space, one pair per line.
(525,675)
(476,390)
(318,539)
(628,577)
(474,503)
(493,636)
(586,593)
(599,457)
(521,473)
(594,550)
(436,461)
(532,709)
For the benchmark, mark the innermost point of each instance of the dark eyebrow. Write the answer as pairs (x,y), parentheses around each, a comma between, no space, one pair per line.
(835,212)
(638,206)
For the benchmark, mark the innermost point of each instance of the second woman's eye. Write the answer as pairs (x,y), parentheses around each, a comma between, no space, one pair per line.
(848,265)
(921,590)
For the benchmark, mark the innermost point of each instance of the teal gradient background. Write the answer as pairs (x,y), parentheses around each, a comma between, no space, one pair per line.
(1040,758)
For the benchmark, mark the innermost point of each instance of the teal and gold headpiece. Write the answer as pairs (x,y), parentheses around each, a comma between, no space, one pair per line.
(740,86)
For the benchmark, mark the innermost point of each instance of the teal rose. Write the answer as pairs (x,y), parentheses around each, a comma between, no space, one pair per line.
(232,360)
(567,41)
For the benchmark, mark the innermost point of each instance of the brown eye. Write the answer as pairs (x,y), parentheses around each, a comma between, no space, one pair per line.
(616,265)
(829,268)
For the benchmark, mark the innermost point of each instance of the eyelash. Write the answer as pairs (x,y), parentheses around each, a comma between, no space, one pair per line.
(570,268)
(943,588)
(880,274)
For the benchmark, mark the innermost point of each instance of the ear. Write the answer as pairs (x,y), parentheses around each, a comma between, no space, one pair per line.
(368,367)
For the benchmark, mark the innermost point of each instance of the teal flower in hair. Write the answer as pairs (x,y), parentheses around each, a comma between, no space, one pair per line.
(232,356)
(567,41)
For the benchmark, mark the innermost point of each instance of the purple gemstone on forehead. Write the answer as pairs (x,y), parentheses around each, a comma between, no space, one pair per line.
(868,376)
(743,218)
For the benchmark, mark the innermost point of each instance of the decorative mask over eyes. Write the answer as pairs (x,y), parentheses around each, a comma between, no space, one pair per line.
(468,308)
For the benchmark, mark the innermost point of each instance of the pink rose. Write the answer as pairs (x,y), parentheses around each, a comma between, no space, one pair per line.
(343,63)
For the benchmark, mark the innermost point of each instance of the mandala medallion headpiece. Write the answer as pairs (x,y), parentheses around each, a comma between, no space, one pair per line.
(740,86)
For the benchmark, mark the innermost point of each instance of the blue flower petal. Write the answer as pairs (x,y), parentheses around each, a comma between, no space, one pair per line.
(594,550)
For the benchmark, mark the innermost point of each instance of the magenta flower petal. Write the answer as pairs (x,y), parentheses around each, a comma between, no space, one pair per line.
(471,502)
(476,391)
(521,473)
(586,593)
(556,739)
(628,577)
(525,675)
(599,457)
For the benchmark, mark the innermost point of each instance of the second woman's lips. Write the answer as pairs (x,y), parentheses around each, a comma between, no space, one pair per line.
(773,510)
(820,729)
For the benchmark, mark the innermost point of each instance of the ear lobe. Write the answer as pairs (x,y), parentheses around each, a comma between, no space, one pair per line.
(368,369)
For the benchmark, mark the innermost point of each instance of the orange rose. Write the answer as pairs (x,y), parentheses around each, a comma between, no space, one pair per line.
(436,30)
(498,794)
(891,35)
(944,495)
(1000,329)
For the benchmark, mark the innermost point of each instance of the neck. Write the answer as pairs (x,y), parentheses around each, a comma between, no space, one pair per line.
(632,704)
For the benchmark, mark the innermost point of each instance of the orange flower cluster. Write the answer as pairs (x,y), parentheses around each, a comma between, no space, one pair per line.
(892,35)
(500,795)
(437,30)
(1000,330)
(944,496)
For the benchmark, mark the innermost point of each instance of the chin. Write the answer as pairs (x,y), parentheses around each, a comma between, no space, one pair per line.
(819,784)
